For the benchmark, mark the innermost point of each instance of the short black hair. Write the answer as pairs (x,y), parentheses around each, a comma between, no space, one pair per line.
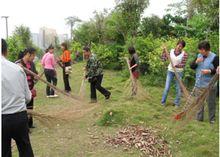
(65,46)
(4,47)
(131,50)
(204,45)
(182,42)
(50,47)
(87,49)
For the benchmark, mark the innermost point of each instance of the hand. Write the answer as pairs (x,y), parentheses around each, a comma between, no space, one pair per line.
(200,59)
(206,71)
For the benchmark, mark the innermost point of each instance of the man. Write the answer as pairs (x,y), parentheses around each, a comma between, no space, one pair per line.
(205,65)
(15,95)
(27,62)
(178,57)
(94,74)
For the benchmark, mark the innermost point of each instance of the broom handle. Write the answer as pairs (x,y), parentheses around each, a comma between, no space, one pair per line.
(41,75)
(185,92)
(131,75)
(51,85)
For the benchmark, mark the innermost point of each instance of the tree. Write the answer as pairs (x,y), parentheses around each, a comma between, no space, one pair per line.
(72,20)
(24,34)
(129,15)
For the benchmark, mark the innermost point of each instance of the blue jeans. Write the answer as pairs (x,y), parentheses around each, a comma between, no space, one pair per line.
(169,79)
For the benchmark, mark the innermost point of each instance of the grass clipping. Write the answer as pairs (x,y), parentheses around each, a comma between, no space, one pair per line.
(143,139)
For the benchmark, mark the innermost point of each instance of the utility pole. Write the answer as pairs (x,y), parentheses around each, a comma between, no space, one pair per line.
(6,22)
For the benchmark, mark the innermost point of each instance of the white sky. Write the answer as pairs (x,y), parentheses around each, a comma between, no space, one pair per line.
(51,13)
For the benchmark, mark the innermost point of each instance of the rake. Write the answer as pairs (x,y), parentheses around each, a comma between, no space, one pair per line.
(82,90)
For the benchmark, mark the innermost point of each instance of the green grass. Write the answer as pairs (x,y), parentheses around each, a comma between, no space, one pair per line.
(73,138)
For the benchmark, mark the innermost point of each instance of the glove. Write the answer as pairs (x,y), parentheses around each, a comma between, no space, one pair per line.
(34,93)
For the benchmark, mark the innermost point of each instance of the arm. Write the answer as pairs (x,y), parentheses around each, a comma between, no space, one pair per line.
(26,88)
(164,56)
(194,65)
(183,62)
(215,64)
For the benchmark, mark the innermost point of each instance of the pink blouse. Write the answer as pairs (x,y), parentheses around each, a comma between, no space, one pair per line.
(48,61)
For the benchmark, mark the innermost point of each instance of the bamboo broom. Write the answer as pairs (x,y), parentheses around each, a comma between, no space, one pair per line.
(52,86)
(198,102)
(82,87)
(41,75)
(183,88)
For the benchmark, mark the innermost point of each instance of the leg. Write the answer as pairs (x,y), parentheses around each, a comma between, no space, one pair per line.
(178,90)
(54,80)
(211,101)
(66,81)
(93,95)
(200,113)
(21,136)
(6,137)
(99,87)
(47,75)
(170,76)
(30,106)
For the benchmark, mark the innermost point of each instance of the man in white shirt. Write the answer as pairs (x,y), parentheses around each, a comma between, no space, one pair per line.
(15,95)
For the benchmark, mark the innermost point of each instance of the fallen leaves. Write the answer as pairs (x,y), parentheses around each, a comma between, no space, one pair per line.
(141,138)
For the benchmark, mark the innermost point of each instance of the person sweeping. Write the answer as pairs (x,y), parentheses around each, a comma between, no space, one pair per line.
(66,65)
(26,60)
(178,57)
(205,66)
(134,67)
(15,95)
(94,74)
(48,62)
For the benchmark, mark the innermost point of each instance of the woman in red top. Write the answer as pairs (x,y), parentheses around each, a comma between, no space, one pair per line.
(66,61)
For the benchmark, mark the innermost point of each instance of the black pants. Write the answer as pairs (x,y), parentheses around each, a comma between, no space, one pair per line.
(95,83)
(66,78)
(30,106)
(51,78)
(15,126)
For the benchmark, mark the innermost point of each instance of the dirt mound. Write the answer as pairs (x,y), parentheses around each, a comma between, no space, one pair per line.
(141,138)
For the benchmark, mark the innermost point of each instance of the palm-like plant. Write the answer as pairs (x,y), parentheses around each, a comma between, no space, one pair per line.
(71,21)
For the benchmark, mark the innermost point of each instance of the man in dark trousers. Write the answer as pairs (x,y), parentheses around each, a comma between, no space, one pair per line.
(94,74)
(15,96)
(205,66)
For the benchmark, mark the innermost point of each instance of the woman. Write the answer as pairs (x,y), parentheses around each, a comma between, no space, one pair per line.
(134,67)
(48,62)
(178,57)
(25,59)
(66,62)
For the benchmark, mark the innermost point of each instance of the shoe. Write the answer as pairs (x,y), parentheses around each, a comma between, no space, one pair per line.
(108,96)
(93,101)
(53,96)
(48,96)
(32,127)
(162,104)
(212,122)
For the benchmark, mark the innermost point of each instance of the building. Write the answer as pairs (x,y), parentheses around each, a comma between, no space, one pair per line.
(47,37)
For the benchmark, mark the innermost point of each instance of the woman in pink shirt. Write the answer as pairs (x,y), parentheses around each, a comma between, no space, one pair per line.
(48,62)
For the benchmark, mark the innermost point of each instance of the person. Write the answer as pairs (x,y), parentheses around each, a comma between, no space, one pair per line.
(66,62)
(205,65)
(94,74)
(48,62)
(15,95)
(26,59)
(134,67)
(179,58)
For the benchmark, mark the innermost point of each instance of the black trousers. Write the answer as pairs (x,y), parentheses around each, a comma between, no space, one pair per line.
(66,78)
(95,83)
(51,78)
(30,106)
(15,126)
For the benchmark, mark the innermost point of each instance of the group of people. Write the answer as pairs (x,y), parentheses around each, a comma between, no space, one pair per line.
(18,90)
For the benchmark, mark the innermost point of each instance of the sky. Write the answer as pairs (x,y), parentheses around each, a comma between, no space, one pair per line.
(52,13)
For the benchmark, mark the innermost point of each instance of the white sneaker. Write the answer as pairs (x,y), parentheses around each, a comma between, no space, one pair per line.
(48,96)
(53,96)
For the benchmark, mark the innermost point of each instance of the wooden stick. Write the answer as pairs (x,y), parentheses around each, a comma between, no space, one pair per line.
(41,75)
(185,91)
(51,85)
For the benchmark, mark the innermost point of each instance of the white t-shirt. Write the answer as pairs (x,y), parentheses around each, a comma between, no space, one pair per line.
(176,60)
